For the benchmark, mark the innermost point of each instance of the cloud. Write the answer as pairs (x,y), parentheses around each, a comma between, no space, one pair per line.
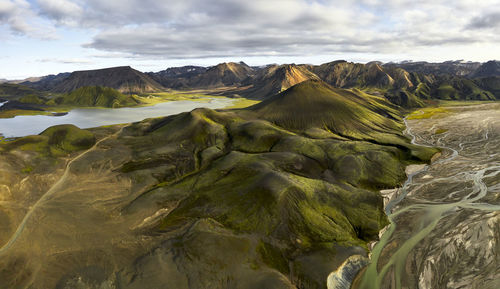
(173,29)
(19,17)
(198,29)
(63,11)
(65,61)
(11,14)
(489,20)
(201,29)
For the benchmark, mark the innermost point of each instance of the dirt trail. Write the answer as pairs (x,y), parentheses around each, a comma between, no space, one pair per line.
(49,193)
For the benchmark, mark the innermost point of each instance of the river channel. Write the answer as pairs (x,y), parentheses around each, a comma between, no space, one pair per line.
(445,220)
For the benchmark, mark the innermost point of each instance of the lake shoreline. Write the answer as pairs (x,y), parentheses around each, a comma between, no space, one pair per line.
(23,125)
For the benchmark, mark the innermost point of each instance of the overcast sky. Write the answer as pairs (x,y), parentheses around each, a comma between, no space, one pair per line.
(39,37)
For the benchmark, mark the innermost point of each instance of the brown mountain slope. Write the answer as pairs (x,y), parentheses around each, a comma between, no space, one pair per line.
(124,79)
(177,77)
(277,78)
(396,84)
(347,74)
(223,74)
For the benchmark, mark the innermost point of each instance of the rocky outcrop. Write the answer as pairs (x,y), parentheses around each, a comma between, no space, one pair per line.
(343,277)
(277,78)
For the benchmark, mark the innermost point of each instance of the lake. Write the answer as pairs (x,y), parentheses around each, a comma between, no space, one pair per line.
(24,125)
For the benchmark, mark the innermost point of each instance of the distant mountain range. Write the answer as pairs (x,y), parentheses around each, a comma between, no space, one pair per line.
(408,84)
(224,74)
(456,68)
(45,83)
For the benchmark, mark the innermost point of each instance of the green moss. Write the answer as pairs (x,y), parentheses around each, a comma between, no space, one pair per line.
(242,103)
(15,112)
(463,89)
(31,98)
(256,136)
(316,104)
(440,131)
(17,90)
(259,175)
(446,91)
(35,143)
(273,257)
(428,112)
(54,141)
(27,170)
(423,91)
(422,154)
(96,96)
(259,190)
(143,164)
(68,138)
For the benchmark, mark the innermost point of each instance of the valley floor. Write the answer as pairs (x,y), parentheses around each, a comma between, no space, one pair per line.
(445,221)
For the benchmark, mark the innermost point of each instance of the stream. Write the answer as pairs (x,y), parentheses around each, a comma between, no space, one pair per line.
(444,227)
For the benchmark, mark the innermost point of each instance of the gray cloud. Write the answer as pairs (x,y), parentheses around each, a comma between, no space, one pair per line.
(200,29)
(226,28)
(489,20)
(19,17)
(63,11)
(12,14)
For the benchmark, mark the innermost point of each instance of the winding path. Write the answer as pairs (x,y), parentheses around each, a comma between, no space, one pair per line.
(53,189)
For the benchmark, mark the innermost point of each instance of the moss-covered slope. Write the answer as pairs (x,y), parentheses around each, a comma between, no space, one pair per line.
(223,199)
(55,141)
(289,196)
(314,104)
(10,91)
(95,96)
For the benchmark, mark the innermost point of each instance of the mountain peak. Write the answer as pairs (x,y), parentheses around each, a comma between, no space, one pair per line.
(315,104)
(487,69)
(125,79)
(276,78)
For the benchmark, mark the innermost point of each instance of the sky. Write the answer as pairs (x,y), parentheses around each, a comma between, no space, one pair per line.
(40,37)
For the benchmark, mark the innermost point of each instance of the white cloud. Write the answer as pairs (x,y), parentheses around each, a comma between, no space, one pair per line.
(63,11)
(174,29)
(19,17)
(66,60)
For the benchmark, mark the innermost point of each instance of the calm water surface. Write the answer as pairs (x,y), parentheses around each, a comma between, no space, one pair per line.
(87,117)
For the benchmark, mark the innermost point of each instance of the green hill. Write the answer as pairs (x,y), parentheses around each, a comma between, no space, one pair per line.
(274,196)
(315,104)
(491,84)
(12,91)
(461,89)
(95,96)
(55,141)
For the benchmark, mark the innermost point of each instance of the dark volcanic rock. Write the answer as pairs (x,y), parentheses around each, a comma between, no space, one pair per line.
(124,79)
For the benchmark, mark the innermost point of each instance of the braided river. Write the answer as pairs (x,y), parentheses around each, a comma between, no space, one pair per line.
(445,219)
